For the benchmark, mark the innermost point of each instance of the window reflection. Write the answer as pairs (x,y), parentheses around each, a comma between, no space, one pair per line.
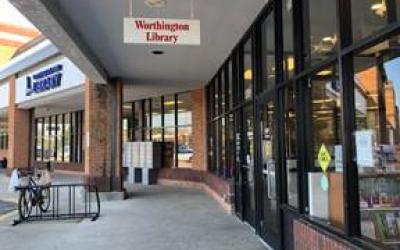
(268,53)
(288,45)
(368,16)
(320,16)
(248,69)
(377,141)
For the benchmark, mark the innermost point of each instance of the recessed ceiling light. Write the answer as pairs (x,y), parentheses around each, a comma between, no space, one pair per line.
(157,52)
(155,3)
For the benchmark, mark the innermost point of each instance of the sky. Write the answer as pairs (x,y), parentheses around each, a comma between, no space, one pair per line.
(393,73)
(8,14)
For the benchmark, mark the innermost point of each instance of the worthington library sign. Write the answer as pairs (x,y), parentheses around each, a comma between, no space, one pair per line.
(162,31)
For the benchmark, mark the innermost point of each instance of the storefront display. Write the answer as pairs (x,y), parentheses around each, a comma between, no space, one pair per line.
(166,119)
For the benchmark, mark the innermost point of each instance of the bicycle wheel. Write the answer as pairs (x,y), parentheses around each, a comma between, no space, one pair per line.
(25,204)
(44,202)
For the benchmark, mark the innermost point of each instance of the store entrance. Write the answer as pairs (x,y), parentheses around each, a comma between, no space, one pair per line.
(247,166)
(270,222)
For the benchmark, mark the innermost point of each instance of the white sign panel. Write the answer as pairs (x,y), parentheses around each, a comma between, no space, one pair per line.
(4,93)
(365,148)
(53,77)
(162,31)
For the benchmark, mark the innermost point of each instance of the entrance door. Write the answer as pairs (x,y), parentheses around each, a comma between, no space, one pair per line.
(247,166)
(270,218)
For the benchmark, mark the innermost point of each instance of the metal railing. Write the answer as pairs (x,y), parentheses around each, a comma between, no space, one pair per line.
(67,202)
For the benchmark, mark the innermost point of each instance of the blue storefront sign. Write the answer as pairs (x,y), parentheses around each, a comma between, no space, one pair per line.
(45,80)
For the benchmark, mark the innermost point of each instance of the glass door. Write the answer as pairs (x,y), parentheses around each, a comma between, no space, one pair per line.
(270,226)
(247,166)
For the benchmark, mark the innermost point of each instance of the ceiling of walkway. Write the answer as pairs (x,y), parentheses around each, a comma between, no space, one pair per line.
(99,25)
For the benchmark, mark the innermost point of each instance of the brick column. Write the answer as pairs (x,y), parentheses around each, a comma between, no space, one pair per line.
(103,135)
(19,136)
(199,130)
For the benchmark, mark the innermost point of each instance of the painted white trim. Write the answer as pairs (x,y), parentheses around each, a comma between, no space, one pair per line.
(51,98)
(4,95)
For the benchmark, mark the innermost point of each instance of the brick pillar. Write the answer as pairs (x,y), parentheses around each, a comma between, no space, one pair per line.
(103,135)
(19,137)
(199,130)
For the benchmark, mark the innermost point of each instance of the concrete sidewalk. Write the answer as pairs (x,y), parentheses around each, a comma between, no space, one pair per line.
(153,218)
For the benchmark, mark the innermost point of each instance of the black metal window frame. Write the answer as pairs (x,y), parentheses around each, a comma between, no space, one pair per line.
(75,147)
(343,58)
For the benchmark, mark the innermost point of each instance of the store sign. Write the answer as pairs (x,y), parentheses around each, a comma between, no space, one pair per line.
(162,31)
(45,80)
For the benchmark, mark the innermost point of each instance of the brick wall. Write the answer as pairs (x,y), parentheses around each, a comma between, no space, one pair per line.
(103,147)
(199,130)
(19,122)
(221,190)
(308,238)
(64,166)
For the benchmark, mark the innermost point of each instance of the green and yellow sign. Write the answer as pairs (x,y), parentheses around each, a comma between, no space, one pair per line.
(324,158)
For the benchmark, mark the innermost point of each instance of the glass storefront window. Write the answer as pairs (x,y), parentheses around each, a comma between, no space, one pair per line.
(288,42)
(169,147)
(369,16)
(211,148)
(3,133)
(230,85)
(156,114)
(125,129)
(325,178)
(322,40)
(223,168)
(156,119)
(59,136)
(67,137)
(248,163)
(290,145)
(248,69)
(138,121)
(73,145)
(223,90)
(127,123)
(147,115)
(217,147)
(185,147)
(268,61)
(377,141)
(156,134)
(52,138)
(39,139)
(217,96)
(184,108)
(230,148)
(169,111)
(185,143)
(46,139)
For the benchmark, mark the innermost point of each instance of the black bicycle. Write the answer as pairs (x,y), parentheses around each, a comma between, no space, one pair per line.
(32,195)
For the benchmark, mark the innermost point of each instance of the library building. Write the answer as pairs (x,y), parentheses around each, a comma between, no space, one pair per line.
(286,112)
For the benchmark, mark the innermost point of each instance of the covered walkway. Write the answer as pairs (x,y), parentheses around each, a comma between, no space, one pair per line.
(152,218)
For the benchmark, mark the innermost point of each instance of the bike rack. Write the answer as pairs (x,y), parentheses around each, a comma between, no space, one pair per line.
(67,202)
